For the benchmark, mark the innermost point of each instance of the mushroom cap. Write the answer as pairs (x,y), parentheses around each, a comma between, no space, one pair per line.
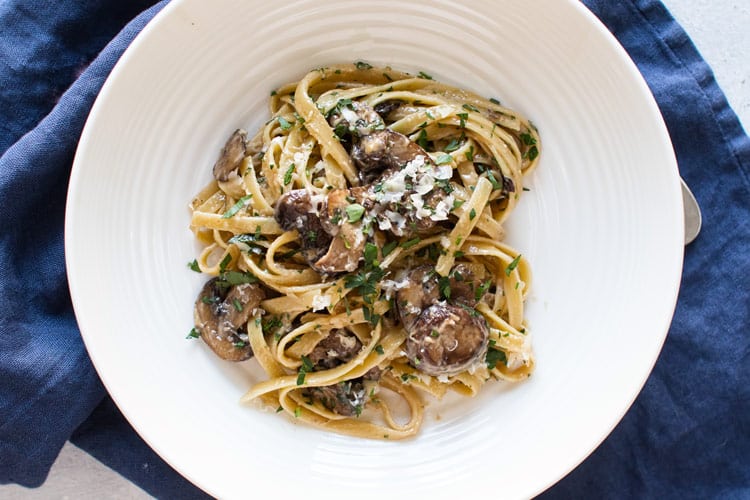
(231,155)
(221,312)
(447,339)
(297,210)
(420,291)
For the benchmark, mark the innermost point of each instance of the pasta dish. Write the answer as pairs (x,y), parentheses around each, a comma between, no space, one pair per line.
(355,248)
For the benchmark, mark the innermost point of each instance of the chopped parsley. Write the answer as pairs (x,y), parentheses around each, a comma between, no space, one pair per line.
(444,284)
(495,184)
(453,145)
(194,334)
(481,290)
(379,349)
(365,282)
(288,174)
(410,243)
(354,212)
(472,214)
(370,316)
(532,153)
(528,139)
(232,278)
(237,207)
(424,75)
(389,247)
(513,265)
(494,357)
(225,262)
(422,139)
(362,65)
(194,266)
(306,368)
(444,159)
(470,107)
(462,119)
(370,254)
(284,123)
(470,153)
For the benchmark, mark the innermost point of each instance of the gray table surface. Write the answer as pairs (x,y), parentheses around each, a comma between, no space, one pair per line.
(719,28)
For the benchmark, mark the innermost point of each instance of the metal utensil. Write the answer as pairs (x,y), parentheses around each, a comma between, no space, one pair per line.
(692,213)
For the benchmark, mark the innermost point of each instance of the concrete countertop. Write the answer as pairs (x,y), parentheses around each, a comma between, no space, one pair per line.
(719,30)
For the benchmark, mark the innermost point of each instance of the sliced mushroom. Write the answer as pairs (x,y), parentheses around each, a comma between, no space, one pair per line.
(231,155)
(466,286)
(420,291)
(385,108)
(348,241)
(338,347)
(383,150)
(345,398)
(221,313)
(356,119)
(298,210)
(447,339)
(412,192)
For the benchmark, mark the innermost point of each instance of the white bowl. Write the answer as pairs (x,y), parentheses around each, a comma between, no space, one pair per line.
(601,227)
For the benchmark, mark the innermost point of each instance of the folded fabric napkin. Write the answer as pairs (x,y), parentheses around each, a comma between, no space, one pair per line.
(686,435)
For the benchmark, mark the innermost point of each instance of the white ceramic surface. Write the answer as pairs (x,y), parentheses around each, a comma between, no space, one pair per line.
(601,226)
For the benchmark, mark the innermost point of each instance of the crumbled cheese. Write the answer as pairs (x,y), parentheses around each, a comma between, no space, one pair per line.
(443,208)
(320,302)
(390,286)
(444,172)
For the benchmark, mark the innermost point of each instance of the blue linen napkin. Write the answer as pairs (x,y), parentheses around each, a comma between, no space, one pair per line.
(686,436)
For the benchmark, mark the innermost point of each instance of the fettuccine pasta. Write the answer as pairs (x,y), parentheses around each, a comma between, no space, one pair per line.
(355,248)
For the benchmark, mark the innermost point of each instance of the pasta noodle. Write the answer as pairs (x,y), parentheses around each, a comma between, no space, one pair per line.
(355,248)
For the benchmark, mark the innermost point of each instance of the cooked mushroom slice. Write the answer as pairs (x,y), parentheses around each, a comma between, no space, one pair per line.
(447,339)
(421,287)
(338,347)
(418,289)
(221,314)
(231,155)
(297,210)
(355,118)
(346,398)
(385,108)
(348,244)
(466,286)
(383,150)
(412,192)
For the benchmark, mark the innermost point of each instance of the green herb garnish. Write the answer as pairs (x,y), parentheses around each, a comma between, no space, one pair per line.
(513,265)
(354,212)
(306,368)
(288,174)
(284,123)
(444,159)
(237,207)
(410,243)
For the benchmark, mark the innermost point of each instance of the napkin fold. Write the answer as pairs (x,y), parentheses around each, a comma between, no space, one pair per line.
(686,435)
